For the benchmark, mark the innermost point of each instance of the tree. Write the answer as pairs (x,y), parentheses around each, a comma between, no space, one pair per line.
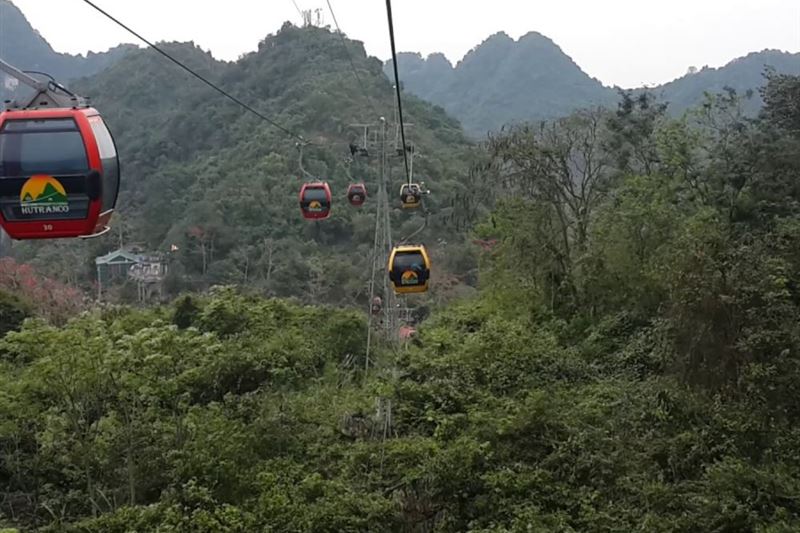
(632,133)
(781,96)
(13,311)
(562,173)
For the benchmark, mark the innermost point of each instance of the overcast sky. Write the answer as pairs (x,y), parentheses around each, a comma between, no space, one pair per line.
(620,42)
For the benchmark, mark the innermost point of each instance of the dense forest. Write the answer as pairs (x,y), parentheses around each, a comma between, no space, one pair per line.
(612,338)
(629,363)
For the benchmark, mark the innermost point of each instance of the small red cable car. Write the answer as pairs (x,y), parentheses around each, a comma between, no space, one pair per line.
(357,194)
(59,173)
(315,200)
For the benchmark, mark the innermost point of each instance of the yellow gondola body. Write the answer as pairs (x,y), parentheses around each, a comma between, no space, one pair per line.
(409,269)
(411,195)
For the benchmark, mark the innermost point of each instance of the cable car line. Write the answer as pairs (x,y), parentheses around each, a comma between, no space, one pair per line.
(397,86)
(405,240)
(196,75)
(409,265)
(299,11)
(307,174)
(350,59)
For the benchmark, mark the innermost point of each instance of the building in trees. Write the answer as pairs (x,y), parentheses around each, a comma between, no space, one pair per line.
(147,271)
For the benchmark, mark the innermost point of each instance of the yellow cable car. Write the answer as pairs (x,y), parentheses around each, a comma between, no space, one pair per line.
(409,269)
(411,195)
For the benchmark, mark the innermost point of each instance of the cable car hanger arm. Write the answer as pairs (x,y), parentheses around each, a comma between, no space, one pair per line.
(30,81)
(48,93)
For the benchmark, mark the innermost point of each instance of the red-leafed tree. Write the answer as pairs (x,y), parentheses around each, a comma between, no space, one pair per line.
(52,299)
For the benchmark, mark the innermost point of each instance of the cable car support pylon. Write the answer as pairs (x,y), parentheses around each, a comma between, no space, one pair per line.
(382,244)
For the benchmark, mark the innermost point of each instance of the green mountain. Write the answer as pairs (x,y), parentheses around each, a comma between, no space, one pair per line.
(503,81)
(202,174)
(744,75)
(629,360)
(630,363)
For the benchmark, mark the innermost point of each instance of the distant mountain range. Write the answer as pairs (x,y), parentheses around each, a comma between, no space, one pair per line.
(503,81)
(23,46)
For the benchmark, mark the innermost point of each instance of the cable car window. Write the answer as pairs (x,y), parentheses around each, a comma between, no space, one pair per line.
(108,157)
(409,262)
(315,194)
(41,125)
(42,147)
(104,141)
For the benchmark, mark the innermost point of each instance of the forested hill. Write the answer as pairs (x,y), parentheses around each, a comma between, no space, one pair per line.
(630,363)
(629,360)
(744,75)
(503,81)
(23,46)
(202,174)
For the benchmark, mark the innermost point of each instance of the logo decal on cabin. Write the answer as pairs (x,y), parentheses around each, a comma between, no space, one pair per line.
(315,205)
(42,195)
(409,277)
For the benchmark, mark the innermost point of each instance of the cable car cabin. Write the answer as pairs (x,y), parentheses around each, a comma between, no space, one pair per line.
(409,269)
(59,173)
(315,200)
(410,195)
(357,194)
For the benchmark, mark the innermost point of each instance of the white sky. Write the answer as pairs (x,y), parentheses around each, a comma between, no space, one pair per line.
(623,42)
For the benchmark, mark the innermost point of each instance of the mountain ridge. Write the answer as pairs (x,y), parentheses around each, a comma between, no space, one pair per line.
(24,47)
(502,81)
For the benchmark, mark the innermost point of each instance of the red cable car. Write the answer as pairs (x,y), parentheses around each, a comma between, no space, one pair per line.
(59,170)
(59,173)
(315,200)
(357,194)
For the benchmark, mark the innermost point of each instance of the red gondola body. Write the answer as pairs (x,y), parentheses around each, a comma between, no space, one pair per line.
(357,194)
(59,173)
(315,200)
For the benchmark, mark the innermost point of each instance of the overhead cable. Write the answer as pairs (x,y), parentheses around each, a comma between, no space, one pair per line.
(198,76)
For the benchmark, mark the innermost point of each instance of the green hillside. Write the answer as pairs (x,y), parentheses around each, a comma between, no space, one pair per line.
(630,364)
(221,185)
(744,75)
(612,340)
